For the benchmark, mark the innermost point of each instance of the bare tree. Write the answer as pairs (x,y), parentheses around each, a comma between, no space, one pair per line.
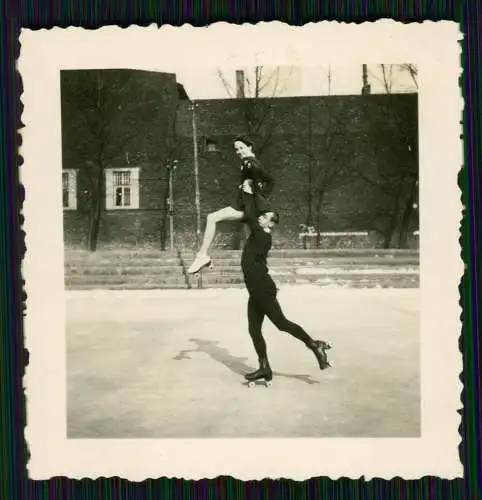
(102,122)
(258,82)
(260,86)
(329,75)
(395,153)
(327,163)
(394,182)
(412,70)
(387,77)
(87,105)
(393,174)
(256,88)
(327,167)
(392,77)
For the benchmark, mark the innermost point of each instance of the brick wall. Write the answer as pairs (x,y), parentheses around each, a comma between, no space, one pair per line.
(328,140)
(142,226)
(342,138)
(140,113)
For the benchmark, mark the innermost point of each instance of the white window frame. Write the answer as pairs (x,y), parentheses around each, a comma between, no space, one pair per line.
(110,188)
(72,188)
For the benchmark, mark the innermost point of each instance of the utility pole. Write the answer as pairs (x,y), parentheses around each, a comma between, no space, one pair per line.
(310,170)
(196,183)
(196,174)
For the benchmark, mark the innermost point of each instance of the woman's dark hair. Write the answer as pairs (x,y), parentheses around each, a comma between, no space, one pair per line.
(244,140)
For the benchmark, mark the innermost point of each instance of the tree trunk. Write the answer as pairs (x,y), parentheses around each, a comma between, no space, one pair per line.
(165,214)
(389,232)
(387,239)
(309,216)
(96,211)
(98,191)
(94,224)
(319,202)
(402,237)
(394,218)
(406,216)
(163,226)
(318,229)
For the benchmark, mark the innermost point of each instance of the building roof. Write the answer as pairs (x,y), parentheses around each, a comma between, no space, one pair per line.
(181,92)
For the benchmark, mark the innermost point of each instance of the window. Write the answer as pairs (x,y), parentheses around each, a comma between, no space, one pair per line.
(122,188)
(69,189)
(211,146)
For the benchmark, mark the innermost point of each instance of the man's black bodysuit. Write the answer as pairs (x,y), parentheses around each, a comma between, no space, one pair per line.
(261,287)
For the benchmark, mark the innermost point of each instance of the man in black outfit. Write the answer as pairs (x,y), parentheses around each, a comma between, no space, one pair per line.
(262,292)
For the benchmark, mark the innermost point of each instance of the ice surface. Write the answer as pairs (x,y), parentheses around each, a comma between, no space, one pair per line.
(170,363)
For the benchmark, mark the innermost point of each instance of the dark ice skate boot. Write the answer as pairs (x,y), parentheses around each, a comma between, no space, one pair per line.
(319,348)
(263,373)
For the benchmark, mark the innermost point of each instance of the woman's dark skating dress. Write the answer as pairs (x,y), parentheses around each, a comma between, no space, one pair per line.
(262,185)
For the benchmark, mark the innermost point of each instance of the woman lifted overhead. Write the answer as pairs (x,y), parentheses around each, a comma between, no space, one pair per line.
(254,182)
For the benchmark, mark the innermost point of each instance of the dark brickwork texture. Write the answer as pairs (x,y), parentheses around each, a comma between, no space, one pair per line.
(334,160)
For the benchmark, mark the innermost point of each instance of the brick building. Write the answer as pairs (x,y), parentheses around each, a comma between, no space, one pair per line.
(118,134)
(340,162)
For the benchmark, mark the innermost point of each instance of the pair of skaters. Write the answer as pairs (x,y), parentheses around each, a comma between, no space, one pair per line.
(251,207)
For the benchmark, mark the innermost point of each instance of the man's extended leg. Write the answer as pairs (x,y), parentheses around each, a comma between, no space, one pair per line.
(275,314)
(226,214)
(255,323)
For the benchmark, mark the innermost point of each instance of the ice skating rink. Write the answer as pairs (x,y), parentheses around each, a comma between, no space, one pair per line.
(170,364)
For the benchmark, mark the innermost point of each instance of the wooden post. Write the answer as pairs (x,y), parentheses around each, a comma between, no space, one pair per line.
(196,175)
(196,184)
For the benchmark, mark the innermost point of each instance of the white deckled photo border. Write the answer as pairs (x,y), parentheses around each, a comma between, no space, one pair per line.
(435,48)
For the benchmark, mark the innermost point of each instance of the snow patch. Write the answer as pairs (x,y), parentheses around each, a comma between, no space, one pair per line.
(309,271)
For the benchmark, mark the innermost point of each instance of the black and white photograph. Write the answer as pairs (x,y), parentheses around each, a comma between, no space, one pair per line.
(242,195)
(241,246)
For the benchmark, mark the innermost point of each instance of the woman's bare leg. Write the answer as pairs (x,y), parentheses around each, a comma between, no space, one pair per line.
(225,214)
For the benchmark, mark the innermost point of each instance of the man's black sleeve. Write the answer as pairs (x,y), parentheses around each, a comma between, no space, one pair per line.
(250,213)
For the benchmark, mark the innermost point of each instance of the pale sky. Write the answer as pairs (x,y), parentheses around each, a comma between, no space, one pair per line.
(205,83)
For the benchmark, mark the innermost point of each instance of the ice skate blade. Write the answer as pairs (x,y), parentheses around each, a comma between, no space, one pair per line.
(209,266)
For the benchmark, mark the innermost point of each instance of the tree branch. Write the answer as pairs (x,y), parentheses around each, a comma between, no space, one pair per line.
(226,85)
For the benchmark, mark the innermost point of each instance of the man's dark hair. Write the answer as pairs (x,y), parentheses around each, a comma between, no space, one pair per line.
(244,140)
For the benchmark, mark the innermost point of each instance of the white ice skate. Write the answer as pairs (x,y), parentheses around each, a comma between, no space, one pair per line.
(201,261)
